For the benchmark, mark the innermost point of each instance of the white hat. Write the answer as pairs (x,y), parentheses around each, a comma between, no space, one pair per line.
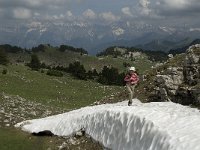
(132,69)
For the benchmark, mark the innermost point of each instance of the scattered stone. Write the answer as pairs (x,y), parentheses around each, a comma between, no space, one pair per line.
(7,125)
(72,141)
(80,133)
(25,109)
(63,146)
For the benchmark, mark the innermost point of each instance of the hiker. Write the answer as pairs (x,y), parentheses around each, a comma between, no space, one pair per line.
(131,80)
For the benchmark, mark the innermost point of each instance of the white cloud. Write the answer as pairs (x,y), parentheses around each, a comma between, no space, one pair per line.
(194,29)
(177,7)
(22,13)
(69,14)
(89,14)
(36,14)
(144,3)
(144,7)
(177,4)
(127,11)
(122,10)
(109,17)
(33,3)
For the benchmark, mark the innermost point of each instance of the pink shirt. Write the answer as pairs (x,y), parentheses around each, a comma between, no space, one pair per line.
(131,78)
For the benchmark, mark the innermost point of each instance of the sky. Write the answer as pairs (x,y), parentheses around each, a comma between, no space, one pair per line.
(169,12)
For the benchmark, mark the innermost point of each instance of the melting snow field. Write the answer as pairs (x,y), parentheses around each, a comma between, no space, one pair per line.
(143,126)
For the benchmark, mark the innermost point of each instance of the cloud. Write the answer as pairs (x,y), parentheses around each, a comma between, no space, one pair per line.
(109,17)
(68,16)
(175,4)
(177,7)
(95,11)
(22,13)
(126,11)
(90,14)
(144,3)
(194,29)
(144,7)
(69,13)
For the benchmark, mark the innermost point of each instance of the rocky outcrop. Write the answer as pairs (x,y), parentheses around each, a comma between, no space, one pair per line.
(192,65)
(180,84)
(167,84)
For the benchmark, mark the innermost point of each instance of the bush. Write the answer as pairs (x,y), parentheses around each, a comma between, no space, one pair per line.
(42,71)
(54,73)
(4,71)
(3,58)
(63,48)
(111,76)
(77,70)
(35,62)
(40,48)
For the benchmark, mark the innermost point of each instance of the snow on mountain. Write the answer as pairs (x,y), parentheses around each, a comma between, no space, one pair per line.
(148,126)
(168,30)
(118,31)
(90,36)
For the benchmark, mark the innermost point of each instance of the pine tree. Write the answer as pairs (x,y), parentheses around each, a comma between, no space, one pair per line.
(3,58)
(35,62)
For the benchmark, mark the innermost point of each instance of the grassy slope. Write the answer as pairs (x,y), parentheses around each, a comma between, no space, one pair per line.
(12,139)
(65,92)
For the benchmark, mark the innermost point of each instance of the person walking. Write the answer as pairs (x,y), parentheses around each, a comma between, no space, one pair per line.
(131,80)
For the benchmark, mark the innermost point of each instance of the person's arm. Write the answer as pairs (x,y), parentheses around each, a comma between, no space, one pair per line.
(127,78)
(134,79)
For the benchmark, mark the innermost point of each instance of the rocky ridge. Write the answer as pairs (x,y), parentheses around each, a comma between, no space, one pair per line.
(180,84)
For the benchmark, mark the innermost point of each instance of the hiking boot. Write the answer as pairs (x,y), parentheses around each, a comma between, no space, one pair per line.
(129,103)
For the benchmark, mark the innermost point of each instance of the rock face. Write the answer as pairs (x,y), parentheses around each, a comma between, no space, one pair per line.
(180,84)
(192,65)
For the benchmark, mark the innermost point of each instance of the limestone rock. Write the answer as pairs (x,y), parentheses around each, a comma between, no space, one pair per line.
(180,84)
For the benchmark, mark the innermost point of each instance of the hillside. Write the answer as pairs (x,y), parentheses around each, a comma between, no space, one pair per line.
(28,94)
(134,53)
(176,81)
(183,49)
(52,56)
(165,45)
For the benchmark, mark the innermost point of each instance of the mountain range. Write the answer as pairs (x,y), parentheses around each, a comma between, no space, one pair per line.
(96,37)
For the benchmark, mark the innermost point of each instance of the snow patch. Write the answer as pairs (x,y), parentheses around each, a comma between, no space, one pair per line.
(149,126)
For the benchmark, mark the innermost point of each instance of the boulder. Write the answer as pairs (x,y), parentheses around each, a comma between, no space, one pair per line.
(168,84)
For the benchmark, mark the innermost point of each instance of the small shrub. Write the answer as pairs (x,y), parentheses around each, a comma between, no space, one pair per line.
(77,70)
(4,71)
(54,73)
(3,57)
(35,62)
(42,71)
